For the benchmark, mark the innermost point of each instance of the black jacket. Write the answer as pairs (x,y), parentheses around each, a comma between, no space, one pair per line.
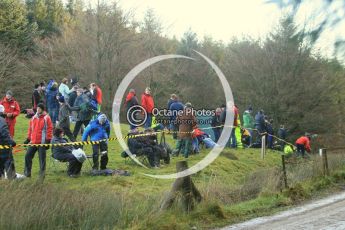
(60,150)
(5,138)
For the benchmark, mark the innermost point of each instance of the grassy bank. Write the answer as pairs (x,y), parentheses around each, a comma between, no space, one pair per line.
(238,185)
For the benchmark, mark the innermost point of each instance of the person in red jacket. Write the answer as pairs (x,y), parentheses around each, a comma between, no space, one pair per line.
(303,144)
(12,110)
(148,105)
(40,132)
(97,95)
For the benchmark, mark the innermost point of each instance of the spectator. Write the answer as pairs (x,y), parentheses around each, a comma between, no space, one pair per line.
(72,95)
(40,132)
(173,98)
(187,122)
(84,113)
(64,89)
(303,144)
(259,126)
(64,153)
(143,145)
(12,110)
(98,129)
(216,124)
(6,157)
(148,105)
(52,101)
(64,122)
(97,95)
(282,135)
(270,133)
(36,97)
(175,107)
(235,124)
(131,100)
(248,123)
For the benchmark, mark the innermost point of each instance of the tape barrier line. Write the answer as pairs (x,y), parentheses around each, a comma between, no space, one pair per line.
(82,143)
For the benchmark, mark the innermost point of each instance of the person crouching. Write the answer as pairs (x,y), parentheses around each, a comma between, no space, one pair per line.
(98,129)
(64,153)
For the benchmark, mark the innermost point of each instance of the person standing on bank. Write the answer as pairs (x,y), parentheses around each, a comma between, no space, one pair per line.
(98,129)
(148,104)
(40,132)
(63,121)
(64,89)
(81,105)
(6,157)
(12,110)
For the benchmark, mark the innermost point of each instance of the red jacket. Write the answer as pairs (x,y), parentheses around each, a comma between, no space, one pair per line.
(98,95)
(304,141)
(147,102)
(197,132)
(11,107)
(40,129)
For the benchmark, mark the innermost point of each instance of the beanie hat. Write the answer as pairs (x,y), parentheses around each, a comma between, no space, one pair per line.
(188,105)
(41,105)
(102,118)
(9,93)
(62,99)
(2,109)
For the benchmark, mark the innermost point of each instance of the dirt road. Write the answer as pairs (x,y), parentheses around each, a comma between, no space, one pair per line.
(328,213)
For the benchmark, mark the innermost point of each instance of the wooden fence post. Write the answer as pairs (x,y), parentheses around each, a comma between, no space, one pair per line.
(324,162)
(284,171)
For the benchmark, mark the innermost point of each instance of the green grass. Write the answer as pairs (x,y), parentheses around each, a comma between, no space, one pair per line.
(238,185)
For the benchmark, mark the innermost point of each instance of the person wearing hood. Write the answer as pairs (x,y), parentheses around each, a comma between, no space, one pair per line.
(248,123)
(175,107)
(131,100)
(52,101)
(6,157)
(98,129)
(40,132)
(64,153)
(12,110)
(148,104)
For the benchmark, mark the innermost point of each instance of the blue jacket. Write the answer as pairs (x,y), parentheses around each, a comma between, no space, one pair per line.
(176,106)
(96,131)
(260,120)
(52,102)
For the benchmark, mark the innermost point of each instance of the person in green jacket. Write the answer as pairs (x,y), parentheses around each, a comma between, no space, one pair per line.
(248,122)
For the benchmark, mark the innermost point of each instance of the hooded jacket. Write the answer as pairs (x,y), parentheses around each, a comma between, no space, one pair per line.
(131,100)
(304,141)
(60,150)
(40,129)
(147,102)
(248,120)
(96,131)
(12,107)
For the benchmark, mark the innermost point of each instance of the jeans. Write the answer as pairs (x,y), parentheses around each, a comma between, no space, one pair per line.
(195,145)
(53,113)
(30,153)
(233,142)
(148,121)
(216,132)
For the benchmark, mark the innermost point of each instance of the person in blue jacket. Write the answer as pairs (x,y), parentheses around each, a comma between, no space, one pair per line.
(175,107)
(98,129)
